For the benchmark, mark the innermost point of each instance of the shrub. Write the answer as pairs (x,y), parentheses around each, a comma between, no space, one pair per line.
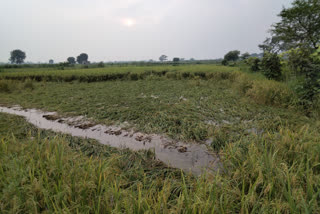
(297,60)
(133,76)
(254,64)
(4,86)
(271,66)
(28,84)
(310,89)
(270,92)
(224,62)
(243,82)
(171,75)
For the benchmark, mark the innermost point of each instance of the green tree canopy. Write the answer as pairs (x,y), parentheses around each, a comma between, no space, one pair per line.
(176,59)
(71,60)
(163,58)
(245,56)
(17,56)
(82,58)
(299,28)
(232,55)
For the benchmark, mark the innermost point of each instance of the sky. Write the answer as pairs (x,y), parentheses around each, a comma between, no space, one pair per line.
(126,30)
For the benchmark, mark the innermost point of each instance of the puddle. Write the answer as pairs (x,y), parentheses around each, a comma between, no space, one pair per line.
(189,157)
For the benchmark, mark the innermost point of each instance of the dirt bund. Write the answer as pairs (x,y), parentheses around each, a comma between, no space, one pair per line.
(189,157)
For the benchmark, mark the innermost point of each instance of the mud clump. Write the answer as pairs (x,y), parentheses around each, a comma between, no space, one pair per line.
(182,149)
(85,126)
(113,132)
(51,117)
(143,138)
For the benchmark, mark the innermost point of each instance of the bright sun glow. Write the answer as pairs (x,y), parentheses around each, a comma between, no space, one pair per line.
(129,22)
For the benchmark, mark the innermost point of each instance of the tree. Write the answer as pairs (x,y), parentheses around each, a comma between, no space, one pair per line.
(17,56)
(299,28)
(176,59)
(245,56)
(232,55)
(71,60)
(163,58)
(82,58)
(51,61)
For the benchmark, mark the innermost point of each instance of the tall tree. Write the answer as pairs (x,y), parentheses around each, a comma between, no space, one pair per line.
(82,58)
(71,60)
(232,55)
(176,59)
(163,58)
(299,28)
(245,56)
(17,56)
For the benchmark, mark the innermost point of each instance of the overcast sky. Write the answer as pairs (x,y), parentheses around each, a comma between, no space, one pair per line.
(109,30)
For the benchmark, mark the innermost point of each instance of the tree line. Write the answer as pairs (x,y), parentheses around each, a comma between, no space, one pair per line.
(18,56)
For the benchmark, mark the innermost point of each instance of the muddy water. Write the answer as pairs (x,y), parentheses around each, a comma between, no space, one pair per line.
(189,157)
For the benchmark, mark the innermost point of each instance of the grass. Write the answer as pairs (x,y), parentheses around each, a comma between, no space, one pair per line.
(269,149)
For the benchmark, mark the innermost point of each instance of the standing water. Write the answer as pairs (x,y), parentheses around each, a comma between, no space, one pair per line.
(189,157)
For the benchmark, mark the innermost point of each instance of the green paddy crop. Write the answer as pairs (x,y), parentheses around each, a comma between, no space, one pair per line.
(112,73)
(41,171)
(269,148)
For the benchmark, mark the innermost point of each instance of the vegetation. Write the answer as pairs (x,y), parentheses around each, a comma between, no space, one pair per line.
(71,60)
(17,57)
(232,56)
(299,27)
(163,58)
(114,73)
(82,58)
(44,172)
(264,125)
(271,66)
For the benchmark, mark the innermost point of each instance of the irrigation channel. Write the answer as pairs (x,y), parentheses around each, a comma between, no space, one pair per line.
(190,157)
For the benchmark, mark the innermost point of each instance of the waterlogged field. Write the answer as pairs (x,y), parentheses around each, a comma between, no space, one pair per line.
(269,148)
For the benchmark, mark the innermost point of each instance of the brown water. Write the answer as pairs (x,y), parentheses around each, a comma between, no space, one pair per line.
(189,157)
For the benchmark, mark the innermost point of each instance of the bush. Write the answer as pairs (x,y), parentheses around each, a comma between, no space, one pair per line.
(28,84)
(271,66)
(134,76)
(254,64)
(310,89)
(4,86)
(268,92)
(243,82)
(224,62)
(171,75)
(297,60)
